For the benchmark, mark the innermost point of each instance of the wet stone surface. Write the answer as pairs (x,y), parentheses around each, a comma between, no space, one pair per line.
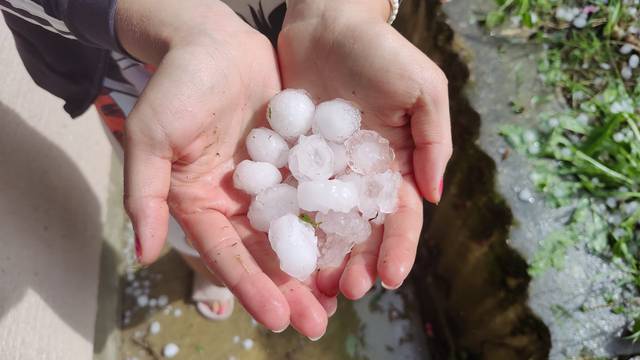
(487,305)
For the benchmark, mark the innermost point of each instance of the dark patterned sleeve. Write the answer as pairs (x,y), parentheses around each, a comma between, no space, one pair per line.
(89,21)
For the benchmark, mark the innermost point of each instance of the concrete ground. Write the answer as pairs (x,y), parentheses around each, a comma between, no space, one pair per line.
(54,176)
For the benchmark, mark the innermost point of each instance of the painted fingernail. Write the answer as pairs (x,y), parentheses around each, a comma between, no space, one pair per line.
(333,312)
(389,287)
(315,338)
(138,249)
(281,330)
(441,187)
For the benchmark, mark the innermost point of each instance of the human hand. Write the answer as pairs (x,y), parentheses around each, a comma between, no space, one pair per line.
(345,49)
(183,138)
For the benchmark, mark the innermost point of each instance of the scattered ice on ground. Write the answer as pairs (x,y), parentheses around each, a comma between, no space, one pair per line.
(142,300)
(253,176)
(247,344)
(254,323)
(351,226)
(177,312)
(339,157)
(368,152)
(153,302)
(311,159)
(236,339)
(626,72)
(295,243)
(626,49)
(267,145)
(170,350)
(580,21)
(634,61)
(336,120)
(290,113)
(526,196)
(271,204)
(163,300)
(154,328)
(566,14)
(327,195)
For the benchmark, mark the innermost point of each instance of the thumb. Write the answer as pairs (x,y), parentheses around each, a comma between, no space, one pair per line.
(147,177)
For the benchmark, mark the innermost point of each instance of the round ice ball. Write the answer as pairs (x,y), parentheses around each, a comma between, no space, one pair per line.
(254,176)
(339,157)
(368,152)
(271,204)
(311,159)
(336,120)
(290,113)
(267,145)
(333,249)
(325,195)
(296,245)
(350,225)
(378,193)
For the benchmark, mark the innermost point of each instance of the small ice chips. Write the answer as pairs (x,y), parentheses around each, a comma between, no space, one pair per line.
(340,177)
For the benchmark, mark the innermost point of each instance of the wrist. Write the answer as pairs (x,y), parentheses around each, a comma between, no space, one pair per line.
(148,29)
(376,10)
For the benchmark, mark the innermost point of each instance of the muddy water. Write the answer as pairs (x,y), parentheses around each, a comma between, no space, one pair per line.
(472,286)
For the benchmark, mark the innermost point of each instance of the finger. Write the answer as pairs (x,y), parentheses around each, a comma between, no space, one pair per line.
(147,174)
(431,130)
(329,303)
(328,279)
(401,235)
(361,272)
(223,252)
(307,314)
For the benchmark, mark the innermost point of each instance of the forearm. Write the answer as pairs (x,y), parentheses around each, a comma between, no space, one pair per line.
(147,29)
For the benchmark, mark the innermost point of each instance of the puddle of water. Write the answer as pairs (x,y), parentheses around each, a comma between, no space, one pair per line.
(382,325)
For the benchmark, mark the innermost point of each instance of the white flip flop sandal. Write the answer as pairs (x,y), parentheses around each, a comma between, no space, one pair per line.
(205,293)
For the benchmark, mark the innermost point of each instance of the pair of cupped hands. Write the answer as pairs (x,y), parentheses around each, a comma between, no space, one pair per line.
(215,76)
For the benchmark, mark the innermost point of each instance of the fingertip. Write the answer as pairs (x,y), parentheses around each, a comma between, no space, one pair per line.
(392,273)
(355,284)
(429,175)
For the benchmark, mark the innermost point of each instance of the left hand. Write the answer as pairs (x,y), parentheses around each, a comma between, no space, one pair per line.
(345,49)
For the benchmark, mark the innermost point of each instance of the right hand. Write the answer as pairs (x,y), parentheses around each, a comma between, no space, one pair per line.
(183,138)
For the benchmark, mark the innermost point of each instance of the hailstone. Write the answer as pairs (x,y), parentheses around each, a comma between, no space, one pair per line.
(325,195)
(267,145)
(311,159)
(336,120)
(296,245)
(290,113)
(253,176)
(339,157)
(271,204)
(368,152)
(351,225)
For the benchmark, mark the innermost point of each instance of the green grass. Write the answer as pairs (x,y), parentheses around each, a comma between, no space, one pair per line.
(586,156)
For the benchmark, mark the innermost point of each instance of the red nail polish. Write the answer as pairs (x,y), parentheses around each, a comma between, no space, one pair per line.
(441,187)
(138,249)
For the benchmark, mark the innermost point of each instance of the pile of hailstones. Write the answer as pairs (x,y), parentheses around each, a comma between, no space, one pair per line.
(340,181)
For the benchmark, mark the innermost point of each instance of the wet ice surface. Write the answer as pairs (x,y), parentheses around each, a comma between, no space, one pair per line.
(368,152)
(267,145)
(290,113)
(252,177)
(296,245)
(340,175)
(311,159)
(336,120)
(327,195)
(271,204)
